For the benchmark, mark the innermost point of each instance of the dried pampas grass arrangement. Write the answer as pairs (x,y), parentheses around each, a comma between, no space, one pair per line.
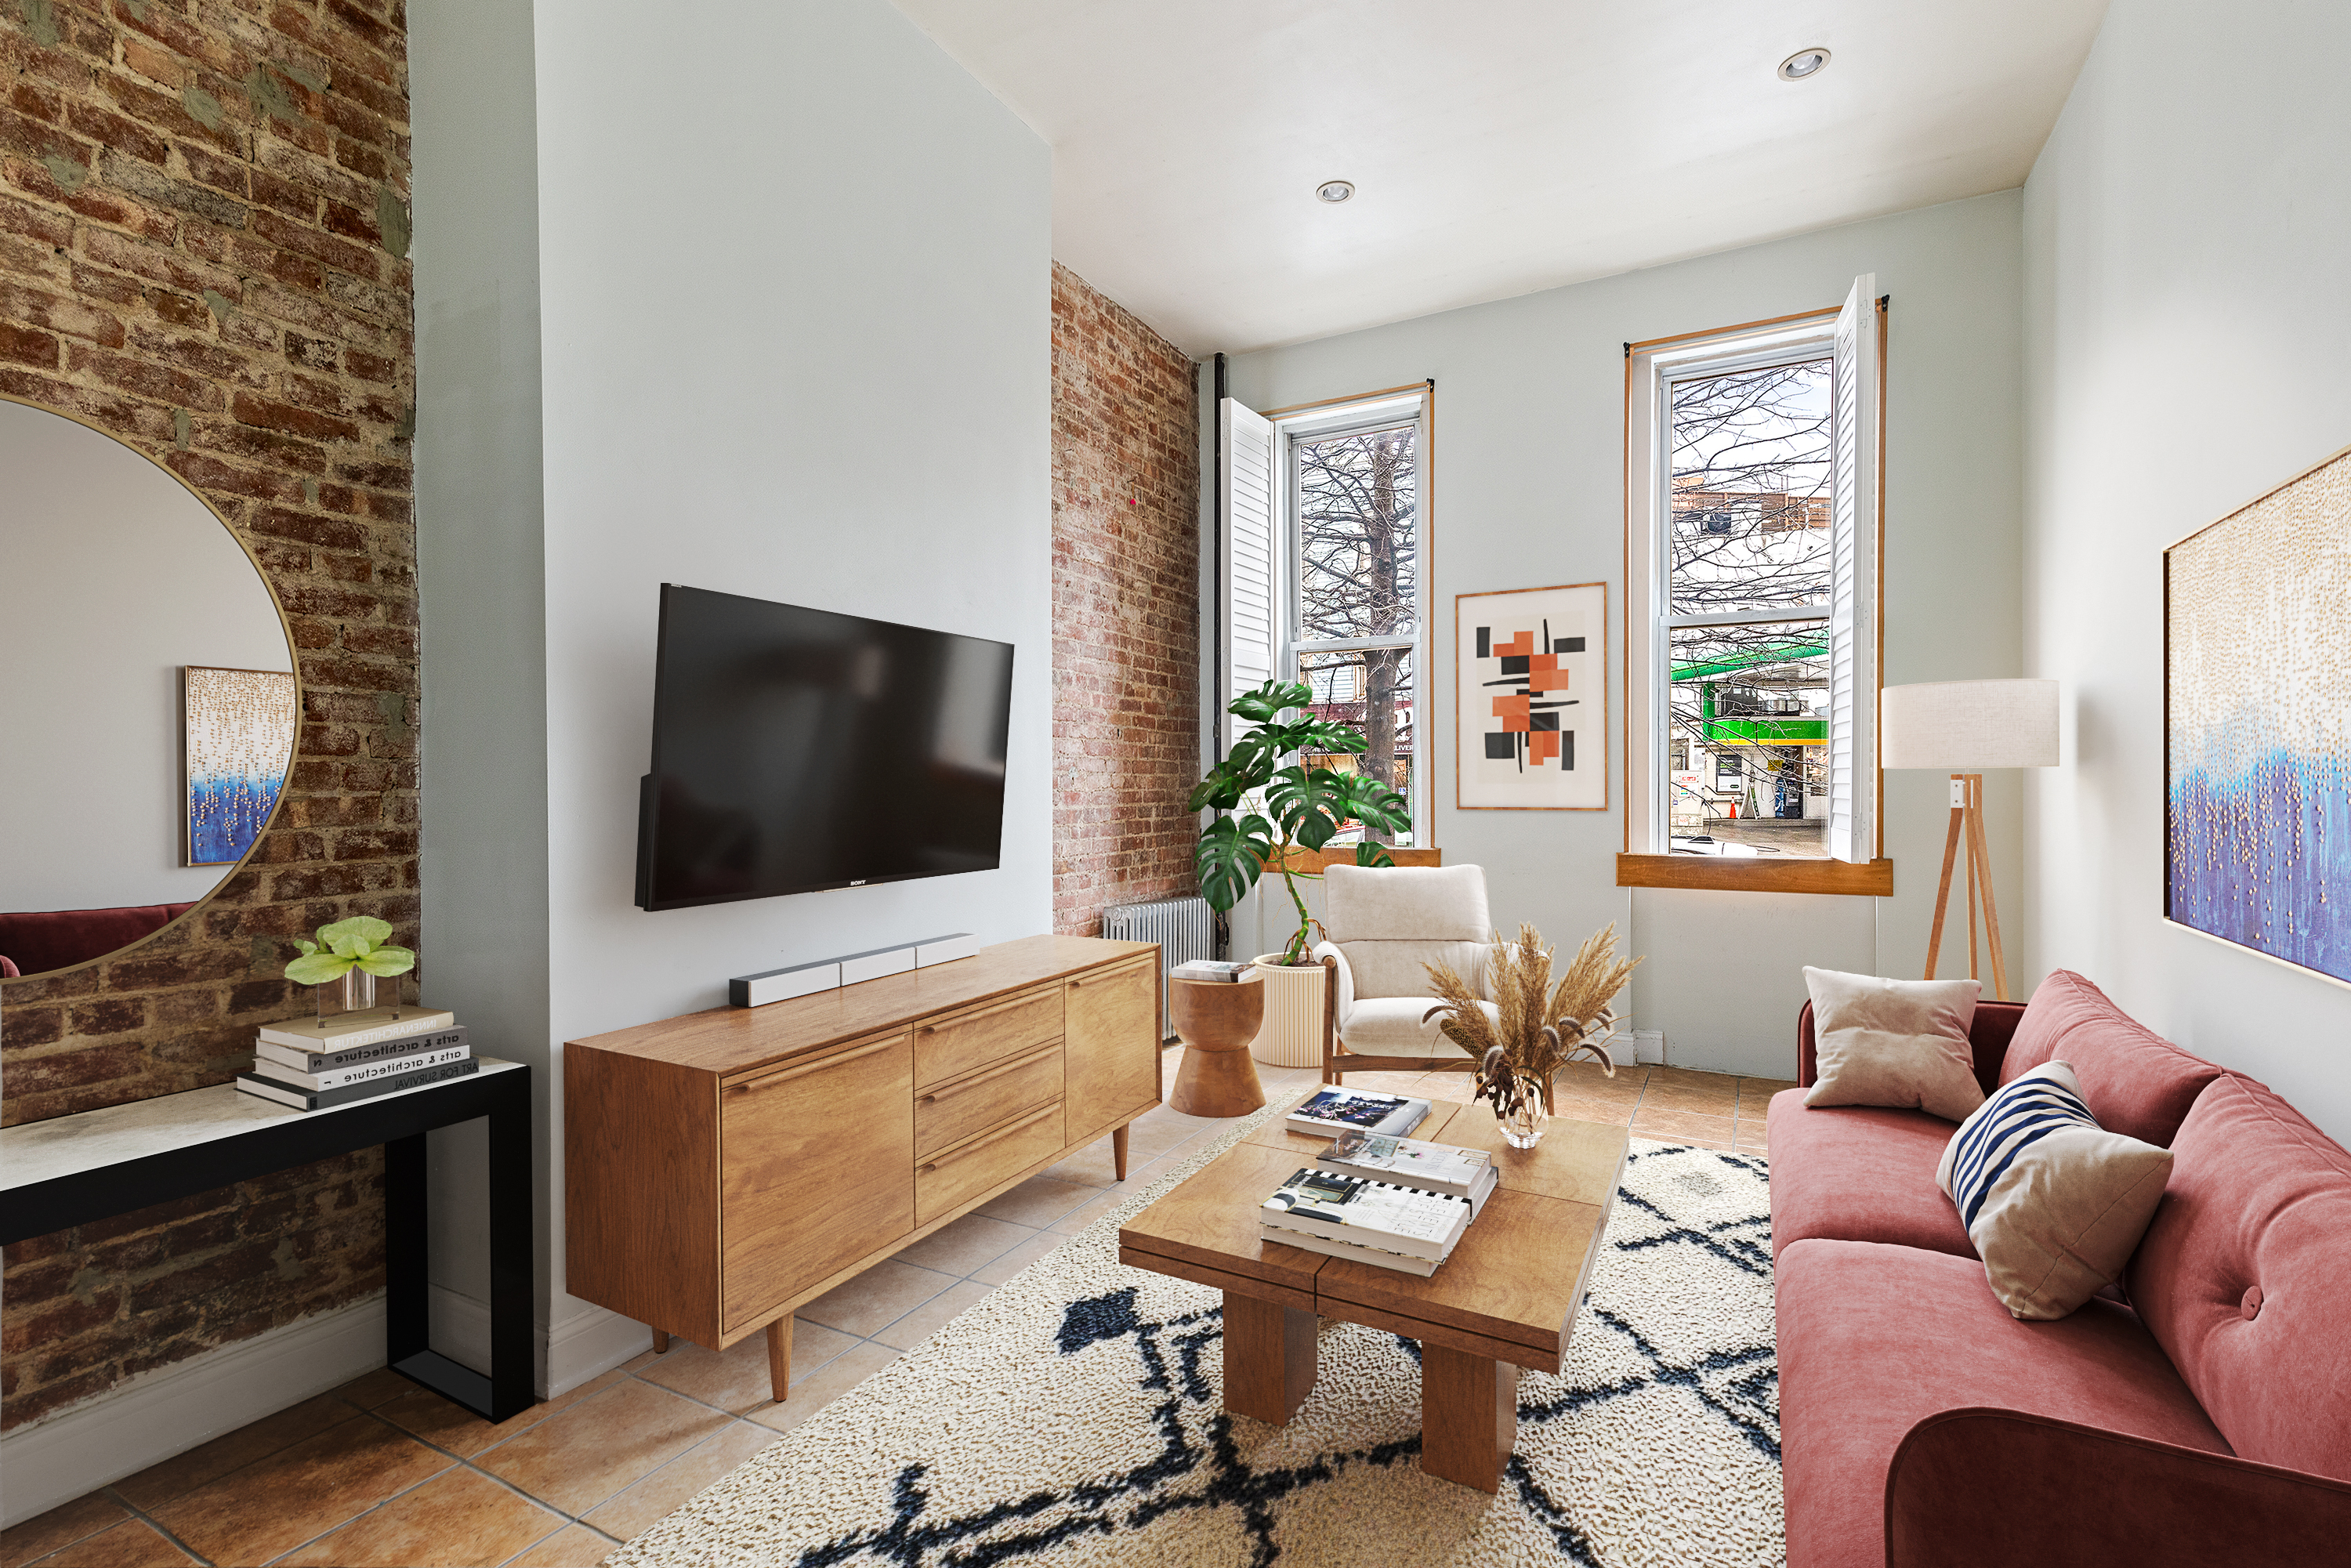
(1537,1028)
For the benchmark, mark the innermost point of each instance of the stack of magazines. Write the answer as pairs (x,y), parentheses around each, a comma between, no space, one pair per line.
(1211,970)
(1335,1110)
(1375,1222)
(356,1056)
(1394,1203)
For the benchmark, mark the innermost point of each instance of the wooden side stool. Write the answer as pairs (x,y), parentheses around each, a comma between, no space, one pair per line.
(1217,1019)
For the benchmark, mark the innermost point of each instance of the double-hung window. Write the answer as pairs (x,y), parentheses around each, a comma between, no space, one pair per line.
(1323,563)
(1752,533)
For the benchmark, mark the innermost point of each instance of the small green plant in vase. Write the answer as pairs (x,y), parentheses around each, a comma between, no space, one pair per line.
(348,957)
(1265,808)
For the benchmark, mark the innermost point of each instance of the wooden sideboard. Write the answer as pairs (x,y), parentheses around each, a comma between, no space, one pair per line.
(722,1168)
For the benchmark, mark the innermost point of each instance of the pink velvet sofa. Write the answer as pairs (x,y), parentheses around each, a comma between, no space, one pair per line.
(2200,1415)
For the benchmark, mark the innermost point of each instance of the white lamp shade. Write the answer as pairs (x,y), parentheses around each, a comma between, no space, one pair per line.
(1967,726)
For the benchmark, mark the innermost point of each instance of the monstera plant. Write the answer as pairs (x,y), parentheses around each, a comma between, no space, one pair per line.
(357,942)
(1265,808)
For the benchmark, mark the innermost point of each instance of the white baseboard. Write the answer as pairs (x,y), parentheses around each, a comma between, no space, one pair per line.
(160,1414)
(150,1418)
(584,1346)
(460,1328)
(587,1344)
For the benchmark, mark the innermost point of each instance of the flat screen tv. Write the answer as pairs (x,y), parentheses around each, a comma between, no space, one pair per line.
(796,749)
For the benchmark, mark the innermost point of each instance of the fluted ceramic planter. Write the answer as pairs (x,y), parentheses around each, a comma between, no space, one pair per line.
(1292,1033)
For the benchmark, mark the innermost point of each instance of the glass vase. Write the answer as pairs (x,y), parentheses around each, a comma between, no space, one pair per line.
(1523,1115)
(353,992)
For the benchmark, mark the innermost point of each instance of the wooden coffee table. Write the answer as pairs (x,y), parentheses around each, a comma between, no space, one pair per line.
(1506,1299)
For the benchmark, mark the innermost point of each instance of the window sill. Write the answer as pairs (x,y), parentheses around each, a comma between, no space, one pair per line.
(1871,879)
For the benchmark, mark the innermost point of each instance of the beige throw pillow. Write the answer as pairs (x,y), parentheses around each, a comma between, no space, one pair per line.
(2054,1203)
(1898,1043)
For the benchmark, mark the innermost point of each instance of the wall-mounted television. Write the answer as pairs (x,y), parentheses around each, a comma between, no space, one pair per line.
(796,749)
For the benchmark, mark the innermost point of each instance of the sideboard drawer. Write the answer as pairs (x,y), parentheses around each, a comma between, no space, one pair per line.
(813,1171)
(949,1113)
(944,1181)
(951,1047)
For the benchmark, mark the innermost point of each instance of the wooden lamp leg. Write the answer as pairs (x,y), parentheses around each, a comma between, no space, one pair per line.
(1980,850)
(779,1357)
(1975,895)
(1943,891)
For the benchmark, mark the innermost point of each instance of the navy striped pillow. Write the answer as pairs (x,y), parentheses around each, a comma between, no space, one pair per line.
(2053,1203)
(2019,1115)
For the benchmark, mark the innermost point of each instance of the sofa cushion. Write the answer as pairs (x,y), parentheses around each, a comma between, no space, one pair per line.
(2245,1277)
(1873,1339)
(1897,1043)
(38,941)
(1391,1026)
(1855,1173)
(2134,1081)
(2054,1203)
(1988,1036)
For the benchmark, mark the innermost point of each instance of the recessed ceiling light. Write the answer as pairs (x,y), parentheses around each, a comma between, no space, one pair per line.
(1334,190)
(1802,64)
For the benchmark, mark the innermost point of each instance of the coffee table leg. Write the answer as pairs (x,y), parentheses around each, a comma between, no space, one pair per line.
(1468,1415)
(1269,1358)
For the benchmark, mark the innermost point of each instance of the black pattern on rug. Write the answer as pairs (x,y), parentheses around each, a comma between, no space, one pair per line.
(1198,1466)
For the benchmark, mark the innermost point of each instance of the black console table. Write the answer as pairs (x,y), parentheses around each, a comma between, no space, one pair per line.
(71,1169)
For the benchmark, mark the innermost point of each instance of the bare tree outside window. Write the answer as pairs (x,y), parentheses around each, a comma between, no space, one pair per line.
(1358,569)
(1749,536)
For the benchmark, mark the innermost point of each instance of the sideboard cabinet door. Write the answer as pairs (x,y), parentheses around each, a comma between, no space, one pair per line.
(1111,1059)
(816,1171)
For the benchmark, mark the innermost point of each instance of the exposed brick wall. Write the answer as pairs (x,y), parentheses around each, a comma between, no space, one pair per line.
(1126,620)
(203,250)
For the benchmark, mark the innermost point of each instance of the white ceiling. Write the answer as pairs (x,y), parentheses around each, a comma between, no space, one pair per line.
(1497,146)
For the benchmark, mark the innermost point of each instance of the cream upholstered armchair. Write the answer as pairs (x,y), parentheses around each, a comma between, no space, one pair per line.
(1386,925)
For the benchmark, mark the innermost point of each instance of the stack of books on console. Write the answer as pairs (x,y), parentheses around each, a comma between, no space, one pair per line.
(356,1056)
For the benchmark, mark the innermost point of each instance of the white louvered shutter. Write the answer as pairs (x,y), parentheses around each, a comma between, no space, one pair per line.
(1249,555)
(1853,602)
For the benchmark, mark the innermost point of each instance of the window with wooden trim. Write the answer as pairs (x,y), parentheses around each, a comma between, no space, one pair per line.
(1325,534)
(1753,527)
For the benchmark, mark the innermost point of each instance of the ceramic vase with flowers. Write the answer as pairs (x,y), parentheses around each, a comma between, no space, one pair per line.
(1535,1028)
(344,964)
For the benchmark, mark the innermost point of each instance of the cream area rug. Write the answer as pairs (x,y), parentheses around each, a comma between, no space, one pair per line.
(1076,1416)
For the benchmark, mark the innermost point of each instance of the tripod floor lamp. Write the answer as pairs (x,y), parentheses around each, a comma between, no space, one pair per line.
(1969,728)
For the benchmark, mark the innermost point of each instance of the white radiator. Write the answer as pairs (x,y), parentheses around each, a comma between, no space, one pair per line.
(1184,928)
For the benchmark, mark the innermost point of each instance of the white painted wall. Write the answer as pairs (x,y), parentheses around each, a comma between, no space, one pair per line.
(2184,232)
(112,576)
(1529,491)
(780,327)
(481,570)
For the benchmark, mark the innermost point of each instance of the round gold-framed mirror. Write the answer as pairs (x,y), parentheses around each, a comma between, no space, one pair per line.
(152,694)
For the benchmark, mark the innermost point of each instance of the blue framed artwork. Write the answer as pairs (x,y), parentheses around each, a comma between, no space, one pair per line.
(237,729)
(2257,737)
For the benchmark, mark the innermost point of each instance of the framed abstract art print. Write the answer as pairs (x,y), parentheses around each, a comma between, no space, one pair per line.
(2257,736)
(1530,699)
(237,728)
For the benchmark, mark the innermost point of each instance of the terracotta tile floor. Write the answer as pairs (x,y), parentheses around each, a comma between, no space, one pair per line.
(383,1472)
